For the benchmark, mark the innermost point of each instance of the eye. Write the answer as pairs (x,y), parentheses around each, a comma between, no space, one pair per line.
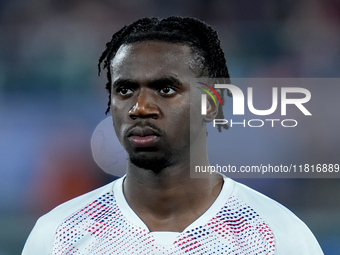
(167,90)
(123,91)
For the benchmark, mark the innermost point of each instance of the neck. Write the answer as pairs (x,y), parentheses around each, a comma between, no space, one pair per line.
(170,195)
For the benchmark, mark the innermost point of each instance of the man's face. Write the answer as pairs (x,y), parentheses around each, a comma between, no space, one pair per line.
(150,102)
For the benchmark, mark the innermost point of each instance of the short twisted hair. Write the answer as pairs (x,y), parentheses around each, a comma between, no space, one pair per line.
(200,37)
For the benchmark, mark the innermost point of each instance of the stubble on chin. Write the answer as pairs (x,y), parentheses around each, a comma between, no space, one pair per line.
(155,164)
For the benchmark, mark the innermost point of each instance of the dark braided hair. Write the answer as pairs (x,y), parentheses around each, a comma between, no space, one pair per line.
(200,37)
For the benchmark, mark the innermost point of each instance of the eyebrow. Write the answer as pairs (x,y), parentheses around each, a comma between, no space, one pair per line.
(165,81)
(124,82)
(155,83)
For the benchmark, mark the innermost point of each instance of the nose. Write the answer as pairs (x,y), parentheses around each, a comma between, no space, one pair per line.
(145,106)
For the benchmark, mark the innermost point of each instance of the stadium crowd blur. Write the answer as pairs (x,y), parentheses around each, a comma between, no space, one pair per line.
(51,98)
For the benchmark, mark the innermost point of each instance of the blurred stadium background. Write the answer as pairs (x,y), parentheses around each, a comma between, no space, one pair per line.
(51,98)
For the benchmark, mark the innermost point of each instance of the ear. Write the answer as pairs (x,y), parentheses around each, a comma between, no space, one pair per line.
(212,108)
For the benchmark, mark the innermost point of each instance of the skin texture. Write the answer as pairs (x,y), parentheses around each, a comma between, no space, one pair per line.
(150,107)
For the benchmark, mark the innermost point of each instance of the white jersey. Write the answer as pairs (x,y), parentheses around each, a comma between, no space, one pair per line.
(241,221)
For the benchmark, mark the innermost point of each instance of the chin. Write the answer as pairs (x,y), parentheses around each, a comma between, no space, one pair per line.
(153,163)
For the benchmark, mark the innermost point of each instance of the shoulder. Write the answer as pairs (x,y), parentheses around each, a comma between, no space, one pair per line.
(41,238)
(292,236)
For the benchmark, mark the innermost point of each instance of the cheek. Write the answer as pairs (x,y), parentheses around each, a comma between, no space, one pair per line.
(117,112)
(179,119)
(118,109)
(186,113)
(116,122)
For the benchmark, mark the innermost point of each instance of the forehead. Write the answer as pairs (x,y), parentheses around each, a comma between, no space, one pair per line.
(150,59)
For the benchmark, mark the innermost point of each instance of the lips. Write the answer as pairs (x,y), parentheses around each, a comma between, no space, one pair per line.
(143,136)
